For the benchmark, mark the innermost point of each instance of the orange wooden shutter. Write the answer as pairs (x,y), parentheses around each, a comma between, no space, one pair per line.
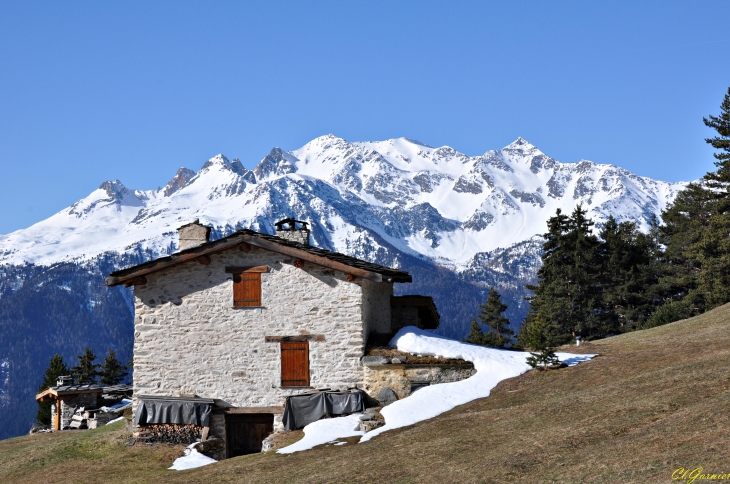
(247,289)
(295,364)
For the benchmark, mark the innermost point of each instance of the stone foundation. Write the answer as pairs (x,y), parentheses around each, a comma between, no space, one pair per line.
(403,379)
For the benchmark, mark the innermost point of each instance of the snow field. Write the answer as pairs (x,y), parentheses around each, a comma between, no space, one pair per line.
(191,460)
(492,365)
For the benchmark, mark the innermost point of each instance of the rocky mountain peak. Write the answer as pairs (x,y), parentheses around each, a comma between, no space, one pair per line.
(180,180)
(276,163)
(114,189)
(217,160)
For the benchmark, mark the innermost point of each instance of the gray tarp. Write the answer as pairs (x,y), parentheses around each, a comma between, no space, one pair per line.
(173,411)
(301,410)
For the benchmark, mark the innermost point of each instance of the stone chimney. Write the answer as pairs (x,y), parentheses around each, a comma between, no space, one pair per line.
(65,380)
(193,235)
(294,230)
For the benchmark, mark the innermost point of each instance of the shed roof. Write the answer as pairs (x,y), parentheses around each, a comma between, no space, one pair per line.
(58,392)
(246,237)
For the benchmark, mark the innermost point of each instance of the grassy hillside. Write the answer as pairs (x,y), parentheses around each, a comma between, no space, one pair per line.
(651,402)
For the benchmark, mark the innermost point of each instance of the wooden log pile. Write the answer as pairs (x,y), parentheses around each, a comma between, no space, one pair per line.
(170,433)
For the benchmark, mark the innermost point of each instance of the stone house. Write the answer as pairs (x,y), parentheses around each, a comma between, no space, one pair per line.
(226,330)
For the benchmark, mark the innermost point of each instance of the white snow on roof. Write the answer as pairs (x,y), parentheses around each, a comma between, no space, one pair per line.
(492,366)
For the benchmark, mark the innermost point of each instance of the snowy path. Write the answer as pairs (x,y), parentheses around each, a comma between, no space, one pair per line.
(492,366)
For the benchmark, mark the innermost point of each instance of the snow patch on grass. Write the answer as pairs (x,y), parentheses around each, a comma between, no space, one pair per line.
(492,366)
(191,460)
(326,431)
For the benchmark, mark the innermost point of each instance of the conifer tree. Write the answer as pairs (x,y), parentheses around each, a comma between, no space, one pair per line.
(720,179)
(56,368)
(86,371)
(490,314)
(567,291)
(476,335)
(112,371)
(534,337)
(627,271)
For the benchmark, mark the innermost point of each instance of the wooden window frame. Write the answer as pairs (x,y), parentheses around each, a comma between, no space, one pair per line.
(243,296)
(298,375)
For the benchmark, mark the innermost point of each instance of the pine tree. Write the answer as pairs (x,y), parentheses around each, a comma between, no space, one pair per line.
(490,314)
(476,335)
(720,179)
(627,269)
(112,372)
(56,368)
(567,293)
(86,371)
(533,336)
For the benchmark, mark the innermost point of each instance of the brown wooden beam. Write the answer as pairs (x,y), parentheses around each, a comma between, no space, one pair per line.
(244,247)
(239,270)
(234,410)
(204,259)
(298,263)
(315,259)
(299,338)
(174,260)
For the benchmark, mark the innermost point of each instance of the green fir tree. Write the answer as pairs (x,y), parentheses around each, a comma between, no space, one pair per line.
(56,368)
(499,333)
(86,371)
(476,335)
(567,293)
(533,335)
(112,371)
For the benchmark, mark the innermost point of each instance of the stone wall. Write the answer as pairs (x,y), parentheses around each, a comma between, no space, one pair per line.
(399,378)
(69,406)
(189,339)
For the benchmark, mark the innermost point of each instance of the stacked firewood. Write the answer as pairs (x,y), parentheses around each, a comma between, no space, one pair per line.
(170,433)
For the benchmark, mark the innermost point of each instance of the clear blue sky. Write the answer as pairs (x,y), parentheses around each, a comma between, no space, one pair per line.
(91,91)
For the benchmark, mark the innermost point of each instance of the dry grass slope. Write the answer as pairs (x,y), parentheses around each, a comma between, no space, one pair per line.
(651,402)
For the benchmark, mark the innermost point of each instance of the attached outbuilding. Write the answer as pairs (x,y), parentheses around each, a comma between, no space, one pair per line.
(227,330)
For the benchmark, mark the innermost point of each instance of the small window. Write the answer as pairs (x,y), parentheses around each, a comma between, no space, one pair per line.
(247,289)
(247,285)
(295,364)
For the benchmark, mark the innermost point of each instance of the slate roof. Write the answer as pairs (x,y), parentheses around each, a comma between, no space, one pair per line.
(268,242)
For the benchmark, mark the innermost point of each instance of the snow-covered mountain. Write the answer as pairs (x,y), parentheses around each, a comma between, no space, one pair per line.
(458,223)
(369,199)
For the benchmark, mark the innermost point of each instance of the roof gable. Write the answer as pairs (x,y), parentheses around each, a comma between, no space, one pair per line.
(244,239)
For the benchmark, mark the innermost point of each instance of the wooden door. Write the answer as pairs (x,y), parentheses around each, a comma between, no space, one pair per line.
(245,432)
(295,364)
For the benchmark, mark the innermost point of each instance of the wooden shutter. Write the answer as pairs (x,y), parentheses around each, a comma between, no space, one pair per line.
(295,364)
(247,289)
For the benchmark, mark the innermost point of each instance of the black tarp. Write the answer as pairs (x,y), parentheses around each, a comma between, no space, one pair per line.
(156,410)
(301,410)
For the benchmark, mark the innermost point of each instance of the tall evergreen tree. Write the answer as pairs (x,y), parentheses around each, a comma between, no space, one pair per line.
(566,295)
(499,333)
(56,368)
(720,179)
(695,232)
(86,371)
(112,371)
(627,270)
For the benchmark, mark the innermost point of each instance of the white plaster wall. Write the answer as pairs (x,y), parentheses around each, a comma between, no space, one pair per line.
(190,339)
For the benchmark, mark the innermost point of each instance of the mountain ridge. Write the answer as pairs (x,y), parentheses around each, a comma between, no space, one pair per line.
(435,203)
